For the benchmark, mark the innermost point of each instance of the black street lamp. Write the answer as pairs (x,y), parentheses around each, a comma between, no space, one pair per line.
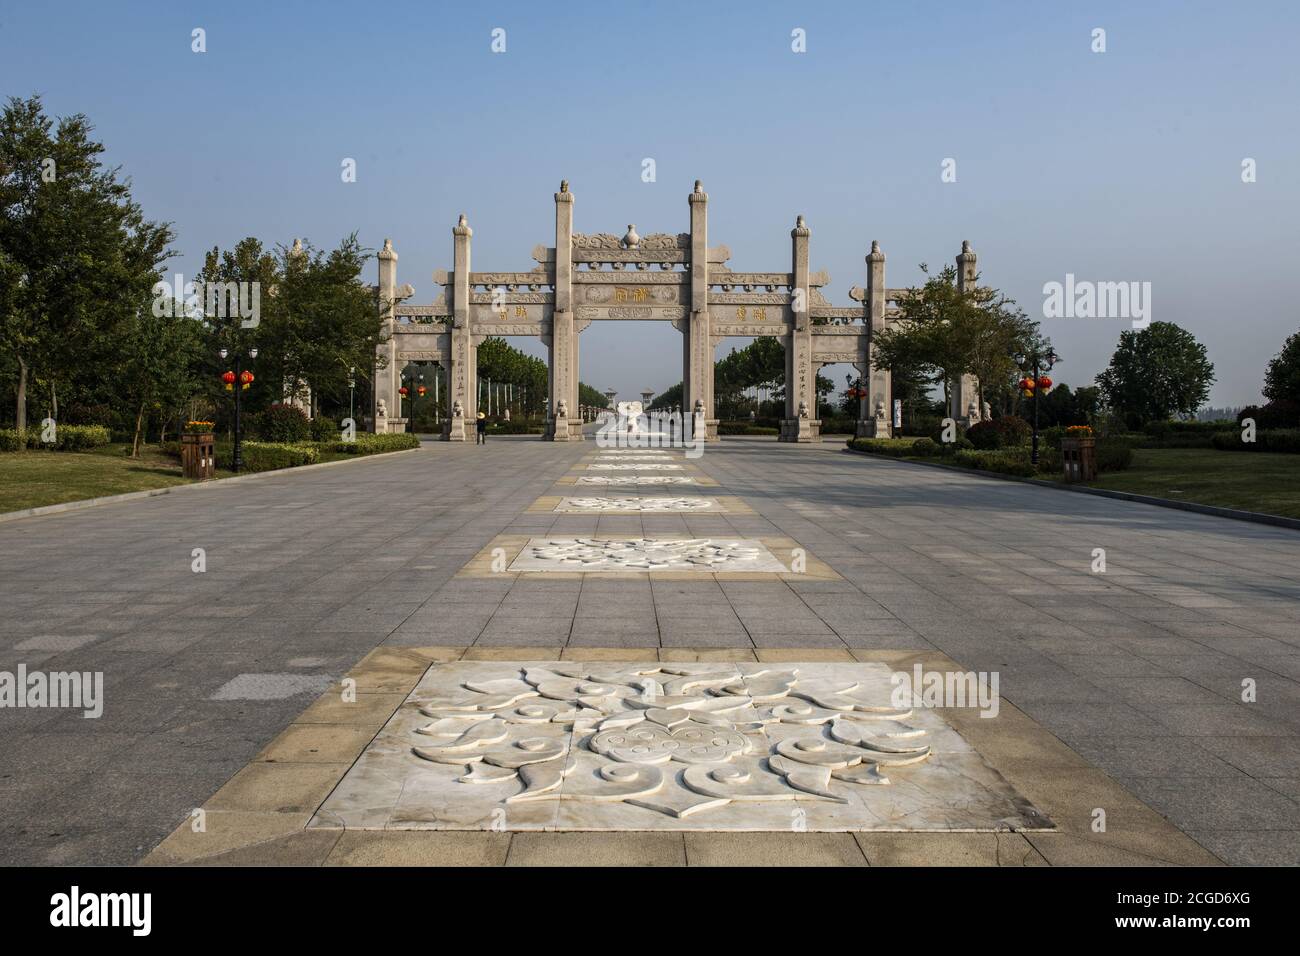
(239,385)
(1035,364)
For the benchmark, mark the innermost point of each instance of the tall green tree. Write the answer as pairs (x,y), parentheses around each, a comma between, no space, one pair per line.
(1282,379)
(945,333)
(1156,373)
(77,256)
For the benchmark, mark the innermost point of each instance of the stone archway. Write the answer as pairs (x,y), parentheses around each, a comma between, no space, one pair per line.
(674,278)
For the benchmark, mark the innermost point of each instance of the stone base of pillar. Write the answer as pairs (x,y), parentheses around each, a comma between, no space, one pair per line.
(562,430)
(871,428)
(453,429)
(711,429)
(390,425)
(800,429)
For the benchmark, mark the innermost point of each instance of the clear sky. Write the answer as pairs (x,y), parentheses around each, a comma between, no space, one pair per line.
(1123,165)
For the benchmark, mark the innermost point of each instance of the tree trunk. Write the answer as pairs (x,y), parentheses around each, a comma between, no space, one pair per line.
(54,402)
(20,412)
(139,422)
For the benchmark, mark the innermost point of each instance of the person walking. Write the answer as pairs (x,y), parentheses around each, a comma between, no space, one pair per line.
(480,429)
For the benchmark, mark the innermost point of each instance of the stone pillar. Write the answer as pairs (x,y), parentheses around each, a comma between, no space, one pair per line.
(800,423)
(386,377)
(697,375)
(964,394)
(562,351)
(462,379)
(876,412)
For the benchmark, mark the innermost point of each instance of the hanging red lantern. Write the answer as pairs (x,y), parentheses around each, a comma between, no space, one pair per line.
(246,378)
(1044,382)
(403,391)
(1026,384)
(228,378)
(421,390)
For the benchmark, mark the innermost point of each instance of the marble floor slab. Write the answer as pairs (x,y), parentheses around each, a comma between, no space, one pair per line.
(635,480)
(690,504)
(705,555)
(565,745)
(632,466)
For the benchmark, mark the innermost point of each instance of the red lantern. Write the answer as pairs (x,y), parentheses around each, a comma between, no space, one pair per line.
(246,378)
(1044,382)
(403,391)
(228,378)
(421,390)
(1026,384)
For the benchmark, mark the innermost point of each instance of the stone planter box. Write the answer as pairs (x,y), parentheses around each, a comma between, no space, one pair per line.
(198,456)
(1079,459)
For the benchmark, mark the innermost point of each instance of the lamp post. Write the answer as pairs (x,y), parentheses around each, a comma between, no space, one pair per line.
(1035,363)
(239,383)
(352,391)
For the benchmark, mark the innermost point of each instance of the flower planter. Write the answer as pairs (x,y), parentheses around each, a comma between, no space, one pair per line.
(198,456)
(1079,459)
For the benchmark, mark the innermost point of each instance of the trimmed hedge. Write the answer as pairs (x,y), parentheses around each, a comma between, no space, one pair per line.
(69,438)
(1279,440)
(1009,431)
(516,428)
(367,444)
(268,456)
(1005,461)
(894,447)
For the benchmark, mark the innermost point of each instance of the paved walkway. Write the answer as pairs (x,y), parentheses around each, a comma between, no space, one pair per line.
(1139,669)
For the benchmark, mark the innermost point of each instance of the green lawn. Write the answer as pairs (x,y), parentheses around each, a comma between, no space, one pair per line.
(1247,481)
(32,479)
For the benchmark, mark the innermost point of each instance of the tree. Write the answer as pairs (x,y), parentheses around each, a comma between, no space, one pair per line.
(1155,373)
(77,256)
(944,333)
(1282,379)
(159,355)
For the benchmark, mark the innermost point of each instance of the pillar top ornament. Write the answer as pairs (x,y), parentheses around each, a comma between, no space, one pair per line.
(967,253)
(387,252)
(800,228)
(699,195)
(631,240)
(462,227)
(564,195)
(876,254)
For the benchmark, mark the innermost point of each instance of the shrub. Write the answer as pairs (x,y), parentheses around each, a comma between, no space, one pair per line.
(324,429)
(894,447)
(984,435)
(1007,461)
(68,438)
(268,456)
(1009,431)
(925,447)
(282,424)
(367,444)
(1277,440)
(518,427)
(952,447)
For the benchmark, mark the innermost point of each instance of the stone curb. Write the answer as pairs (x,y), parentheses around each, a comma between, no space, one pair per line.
(1255,517)
(154,492)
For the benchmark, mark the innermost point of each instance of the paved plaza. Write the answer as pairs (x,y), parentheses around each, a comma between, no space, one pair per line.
(1122,690)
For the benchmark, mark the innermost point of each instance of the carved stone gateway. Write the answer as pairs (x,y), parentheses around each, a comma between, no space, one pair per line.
(646,746)
(671,278)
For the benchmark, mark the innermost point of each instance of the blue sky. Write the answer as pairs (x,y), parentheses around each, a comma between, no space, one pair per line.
(1117,166)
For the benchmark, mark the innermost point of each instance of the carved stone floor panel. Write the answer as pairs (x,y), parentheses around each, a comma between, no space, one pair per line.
(655,504)
(705,555)
(566,745)
(635,480)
